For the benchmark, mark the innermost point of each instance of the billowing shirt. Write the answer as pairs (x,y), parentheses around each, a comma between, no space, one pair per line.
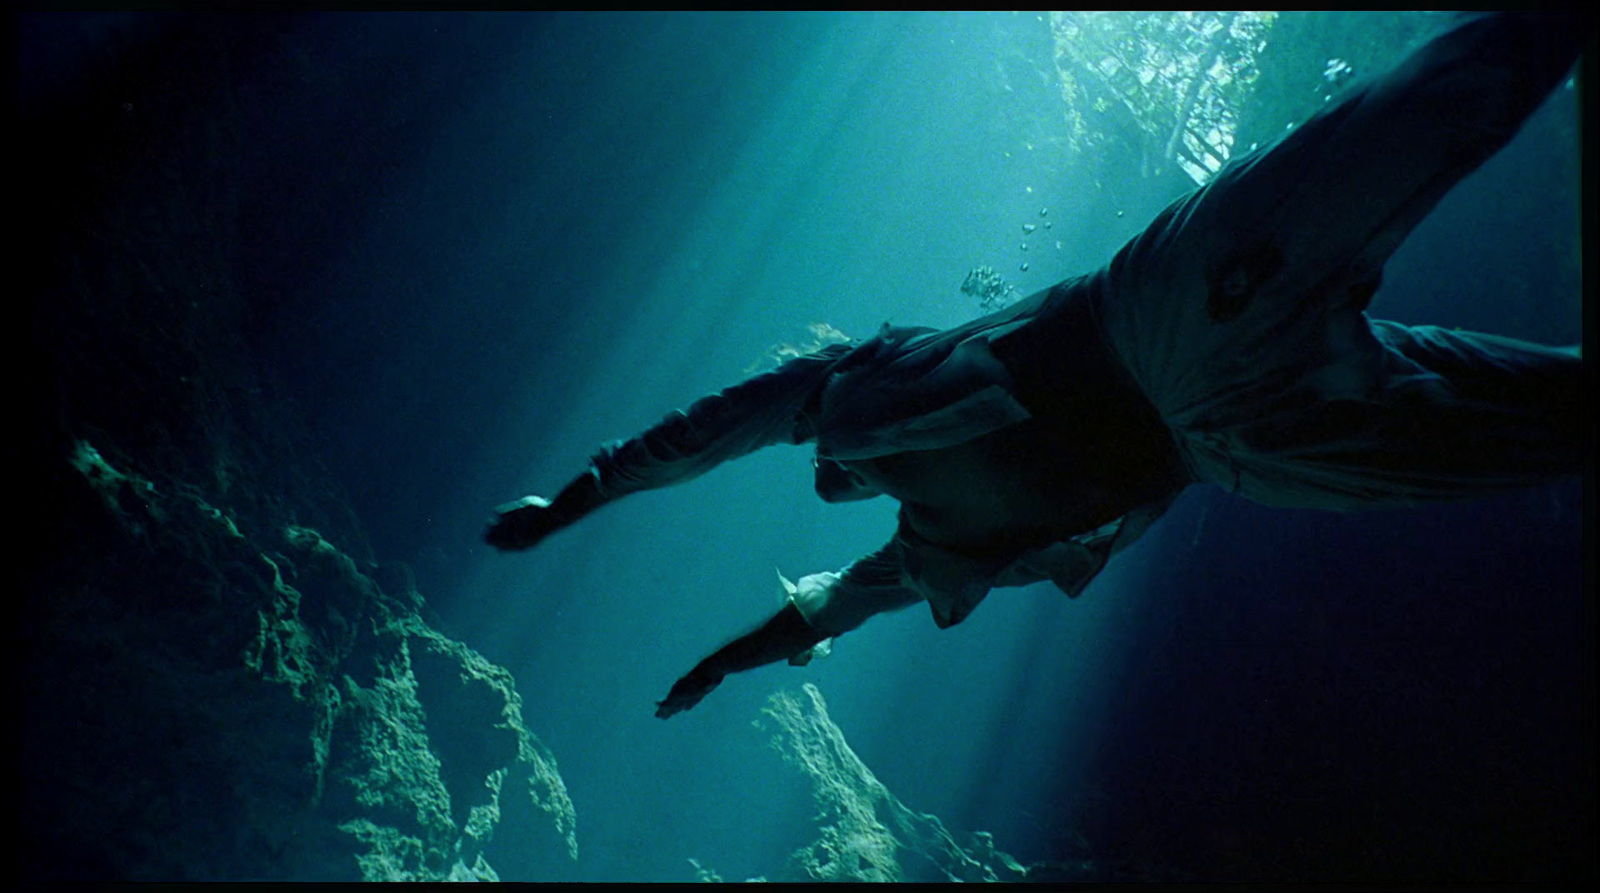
(903,390)
(909,570)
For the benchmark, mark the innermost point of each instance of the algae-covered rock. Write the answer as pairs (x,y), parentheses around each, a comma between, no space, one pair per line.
(199,705)
(866,833)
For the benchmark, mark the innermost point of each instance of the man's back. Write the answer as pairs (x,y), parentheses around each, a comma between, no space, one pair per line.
(1093,449)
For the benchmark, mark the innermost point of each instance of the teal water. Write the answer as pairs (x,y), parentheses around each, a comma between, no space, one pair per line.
(474,247)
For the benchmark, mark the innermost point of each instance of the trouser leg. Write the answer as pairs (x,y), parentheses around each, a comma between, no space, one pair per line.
(1498,412)
(1454,415)
(1265,270)
(1239,311)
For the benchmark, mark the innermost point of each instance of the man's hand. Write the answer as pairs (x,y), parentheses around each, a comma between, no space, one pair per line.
(525,523)
(522,524)
(687,692)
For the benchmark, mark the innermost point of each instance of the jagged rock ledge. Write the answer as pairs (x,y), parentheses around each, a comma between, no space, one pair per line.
(201,706)
(864,832)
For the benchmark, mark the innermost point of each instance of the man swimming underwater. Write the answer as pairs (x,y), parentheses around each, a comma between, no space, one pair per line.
(1226,343)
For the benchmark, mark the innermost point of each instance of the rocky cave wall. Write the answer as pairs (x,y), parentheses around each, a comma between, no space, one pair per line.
(199,705)
(212,683)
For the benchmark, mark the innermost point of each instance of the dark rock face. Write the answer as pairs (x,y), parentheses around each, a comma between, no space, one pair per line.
(201,706)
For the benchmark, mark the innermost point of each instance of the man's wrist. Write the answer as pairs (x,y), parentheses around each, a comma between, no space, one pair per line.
(578,498)
(707,672)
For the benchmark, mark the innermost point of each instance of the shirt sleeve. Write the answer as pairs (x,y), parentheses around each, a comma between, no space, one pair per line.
(1071,564)
(908,571)
(767,409)
(835,603)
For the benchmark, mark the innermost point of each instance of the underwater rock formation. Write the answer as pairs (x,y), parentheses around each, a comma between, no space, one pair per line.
(866,833)
(212,685)
(198,705)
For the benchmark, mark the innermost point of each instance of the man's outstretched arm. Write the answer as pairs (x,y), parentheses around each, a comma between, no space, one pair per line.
(821,606)
(784,636)
(764,410)
(826,605)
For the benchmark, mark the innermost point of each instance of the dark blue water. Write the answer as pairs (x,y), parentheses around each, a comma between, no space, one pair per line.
(477,246)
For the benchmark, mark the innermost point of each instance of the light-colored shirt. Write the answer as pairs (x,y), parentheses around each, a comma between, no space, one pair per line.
(905,389)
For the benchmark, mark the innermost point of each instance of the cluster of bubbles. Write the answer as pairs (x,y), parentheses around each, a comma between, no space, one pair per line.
(1028,229)
(1336,74)
(989,287)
